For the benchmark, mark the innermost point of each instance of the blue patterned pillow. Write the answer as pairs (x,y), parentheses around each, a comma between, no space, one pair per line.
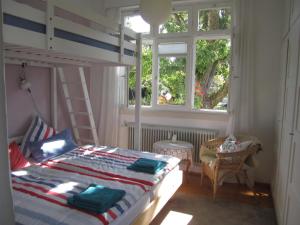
(56,145)
(37,131)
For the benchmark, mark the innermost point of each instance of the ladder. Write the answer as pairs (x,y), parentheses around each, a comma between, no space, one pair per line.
(74,115)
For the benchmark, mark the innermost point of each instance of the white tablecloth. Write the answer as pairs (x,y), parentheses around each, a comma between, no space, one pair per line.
(180,149)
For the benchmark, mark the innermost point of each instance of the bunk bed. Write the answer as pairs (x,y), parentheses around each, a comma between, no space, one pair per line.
(49,32)
(54,34)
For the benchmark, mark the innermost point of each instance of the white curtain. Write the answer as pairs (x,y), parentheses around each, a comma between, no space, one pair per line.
(105,100)
(241,108)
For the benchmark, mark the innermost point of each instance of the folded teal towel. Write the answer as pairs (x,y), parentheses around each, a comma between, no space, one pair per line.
(147,165)
(96,198)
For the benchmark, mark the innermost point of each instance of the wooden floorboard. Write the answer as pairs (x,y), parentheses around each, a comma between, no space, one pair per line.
(231,192)
(260,195)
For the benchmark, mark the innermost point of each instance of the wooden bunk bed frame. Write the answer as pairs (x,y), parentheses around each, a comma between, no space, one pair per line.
(43,38)
(51,35)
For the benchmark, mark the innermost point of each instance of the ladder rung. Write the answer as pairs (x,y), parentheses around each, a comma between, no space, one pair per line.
(80,113)
(85,128)
(70,100)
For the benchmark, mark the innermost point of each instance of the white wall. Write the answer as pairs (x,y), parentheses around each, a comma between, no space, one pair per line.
(268,29)
(99,6)
(94,5)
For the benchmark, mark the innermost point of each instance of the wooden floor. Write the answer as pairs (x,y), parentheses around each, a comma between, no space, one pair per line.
(192,189)
(260,195)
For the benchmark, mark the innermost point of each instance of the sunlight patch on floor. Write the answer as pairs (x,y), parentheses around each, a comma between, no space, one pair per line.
(177,218)
(247,193)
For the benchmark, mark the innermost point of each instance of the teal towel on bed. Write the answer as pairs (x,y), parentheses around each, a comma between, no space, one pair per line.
(147,165)
(96,198)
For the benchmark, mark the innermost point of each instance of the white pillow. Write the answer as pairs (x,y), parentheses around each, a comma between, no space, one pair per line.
(232,146)
(243,145)
(229,145)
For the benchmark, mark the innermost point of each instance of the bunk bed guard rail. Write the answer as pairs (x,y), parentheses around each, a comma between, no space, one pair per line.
(52,19)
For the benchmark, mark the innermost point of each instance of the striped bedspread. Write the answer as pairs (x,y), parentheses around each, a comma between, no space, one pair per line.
(41,191)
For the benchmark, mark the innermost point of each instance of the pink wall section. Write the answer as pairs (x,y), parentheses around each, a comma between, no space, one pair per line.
(19,105)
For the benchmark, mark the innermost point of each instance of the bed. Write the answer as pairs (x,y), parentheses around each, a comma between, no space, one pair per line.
(40,191)
(54,34)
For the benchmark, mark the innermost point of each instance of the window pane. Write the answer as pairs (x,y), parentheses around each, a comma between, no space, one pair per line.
(212,74)
(172,77)
(177,22)
(172,48)
(146,78)
(137,24)
(214,19)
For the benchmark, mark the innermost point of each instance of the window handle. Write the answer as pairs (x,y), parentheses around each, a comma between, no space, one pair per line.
(291,133)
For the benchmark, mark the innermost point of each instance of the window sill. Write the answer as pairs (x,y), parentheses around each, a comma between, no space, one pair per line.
(174,109)
(178,113)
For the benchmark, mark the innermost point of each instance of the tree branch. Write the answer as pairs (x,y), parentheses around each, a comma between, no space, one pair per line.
(179,19)
(210,101)
(218,96)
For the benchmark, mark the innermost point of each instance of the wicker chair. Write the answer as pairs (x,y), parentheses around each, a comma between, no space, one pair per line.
(217,165)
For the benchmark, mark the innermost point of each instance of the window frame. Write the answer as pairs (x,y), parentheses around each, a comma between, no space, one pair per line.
(190,38)
(155,75)
(212,37)
(126,76)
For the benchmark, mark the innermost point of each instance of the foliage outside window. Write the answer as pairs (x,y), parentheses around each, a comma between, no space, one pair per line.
(214,19)
(146,78)
(177,22)
(212,74)
(172,77)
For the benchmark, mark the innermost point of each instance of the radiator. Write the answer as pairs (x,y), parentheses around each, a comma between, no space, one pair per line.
(152,133)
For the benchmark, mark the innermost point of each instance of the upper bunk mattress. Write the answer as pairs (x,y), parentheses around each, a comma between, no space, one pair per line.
(41,191)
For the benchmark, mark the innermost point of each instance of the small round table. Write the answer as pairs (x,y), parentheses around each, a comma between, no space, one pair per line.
(180,149)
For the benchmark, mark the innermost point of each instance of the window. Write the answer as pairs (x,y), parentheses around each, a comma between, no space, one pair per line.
(185,66)
(172,73)
(178,22)
(146,77)
(214,19)
(172,77)
(212,71)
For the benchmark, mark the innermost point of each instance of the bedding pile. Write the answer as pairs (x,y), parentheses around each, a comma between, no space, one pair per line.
(147,165)
(96,198)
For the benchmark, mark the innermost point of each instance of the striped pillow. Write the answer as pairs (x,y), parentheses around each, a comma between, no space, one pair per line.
(37,131)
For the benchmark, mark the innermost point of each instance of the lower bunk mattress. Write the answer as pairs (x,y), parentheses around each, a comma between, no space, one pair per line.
(41,191)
